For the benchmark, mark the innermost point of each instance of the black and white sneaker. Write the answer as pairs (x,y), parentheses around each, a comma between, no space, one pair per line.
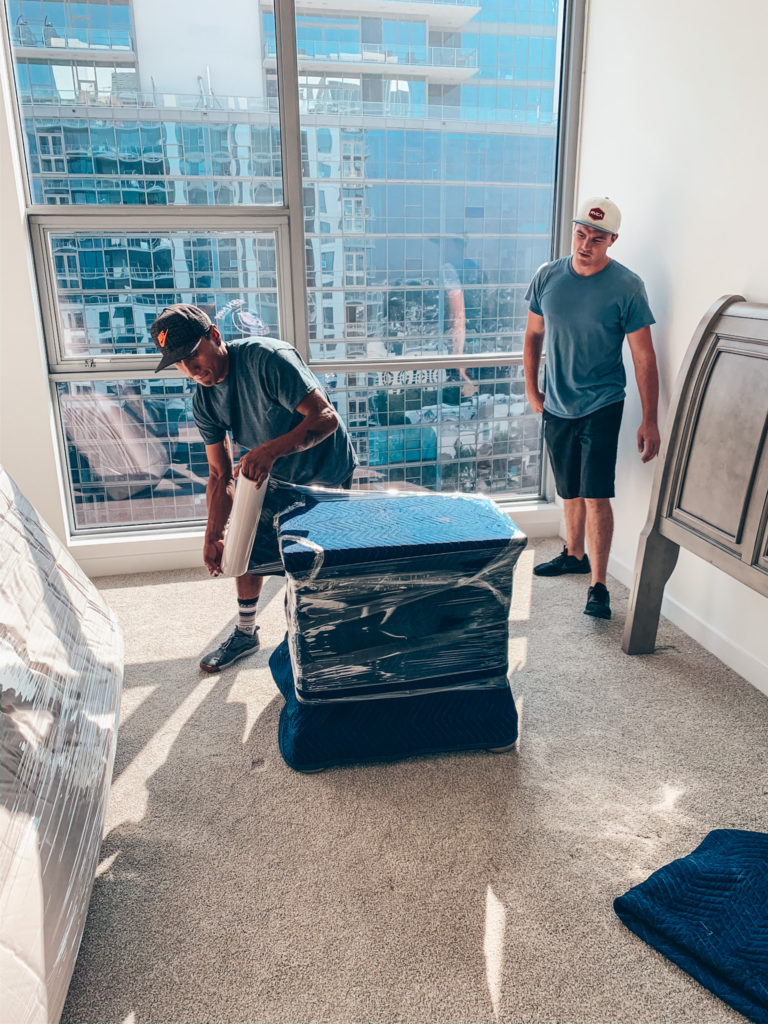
(598,602)
(236,646)
(562,564)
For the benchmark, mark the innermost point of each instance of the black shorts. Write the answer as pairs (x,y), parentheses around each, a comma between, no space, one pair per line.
(583,451)
(265,555)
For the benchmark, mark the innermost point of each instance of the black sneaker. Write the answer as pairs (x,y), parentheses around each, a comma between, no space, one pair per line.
(563,564)
(598,602)
(238,645)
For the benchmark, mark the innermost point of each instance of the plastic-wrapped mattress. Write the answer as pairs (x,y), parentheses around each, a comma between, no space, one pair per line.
(397,593)
(61,670)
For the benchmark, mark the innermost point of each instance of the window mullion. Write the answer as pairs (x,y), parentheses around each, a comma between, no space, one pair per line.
(295,317)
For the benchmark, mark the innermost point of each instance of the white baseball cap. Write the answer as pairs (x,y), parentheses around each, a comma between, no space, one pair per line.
(599,212)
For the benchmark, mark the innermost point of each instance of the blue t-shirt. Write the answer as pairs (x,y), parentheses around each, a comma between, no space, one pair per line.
(586,318)
(257,402)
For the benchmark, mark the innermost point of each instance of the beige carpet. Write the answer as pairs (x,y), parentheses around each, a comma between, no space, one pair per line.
(459,888)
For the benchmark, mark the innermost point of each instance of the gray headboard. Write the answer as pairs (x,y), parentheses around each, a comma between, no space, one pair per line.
(710,493)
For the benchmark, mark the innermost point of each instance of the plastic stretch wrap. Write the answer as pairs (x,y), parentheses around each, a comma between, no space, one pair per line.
(397,593)
(61,667)
(242,526)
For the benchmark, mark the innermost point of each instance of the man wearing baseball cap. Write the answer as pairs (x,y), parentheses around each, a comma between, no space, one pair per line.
(584,305)
(259,391)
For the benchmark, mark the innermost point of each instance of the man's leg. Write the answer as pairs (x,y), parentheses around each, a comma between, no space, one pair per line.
(599,530)
(249,587)
(564,450)
(575,520)
(244,640)
(600,438)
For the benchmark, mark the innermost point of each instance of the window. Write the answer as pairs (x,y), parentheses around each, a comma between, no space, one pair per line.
(354,268)
(427,152)
(352,158)
(353,207)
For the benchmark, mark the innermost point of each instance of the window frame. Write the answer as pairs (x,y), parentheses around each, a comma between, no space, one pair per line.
(161,220)
(286,220)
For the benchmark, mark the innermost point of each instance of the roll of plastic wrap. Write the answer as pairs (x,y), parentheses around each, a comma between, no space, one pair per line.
(242,527)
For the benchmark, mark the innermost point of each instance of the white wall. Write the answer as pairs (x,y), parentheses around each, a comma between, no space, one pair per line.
(673,129)
(26,423)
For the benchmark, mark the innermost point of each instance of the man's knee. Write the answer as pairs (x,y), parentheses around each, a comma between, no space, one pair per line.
(598,506)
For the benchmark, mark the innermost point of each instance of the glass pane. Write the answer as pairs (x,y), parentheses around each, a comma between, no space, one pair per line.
(429,145)
(134,455)
(195,123)
(440,431)
(109,287)
(423,233)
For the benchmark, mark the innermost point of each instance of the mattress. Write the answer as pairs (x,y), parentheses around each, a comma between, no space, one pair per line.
(397,593)
(61,670)
(315,736)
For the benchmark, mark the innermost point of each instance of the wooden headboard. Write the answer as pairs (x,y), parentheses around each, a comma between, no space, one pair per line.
(710,492)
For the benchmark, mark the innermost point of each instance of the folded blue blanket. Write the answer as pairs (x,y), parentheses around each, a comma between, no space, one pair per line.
(708,912)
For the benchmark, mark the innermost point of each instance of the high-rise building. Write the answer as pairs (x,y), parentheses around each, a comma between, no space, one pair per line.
(428,145)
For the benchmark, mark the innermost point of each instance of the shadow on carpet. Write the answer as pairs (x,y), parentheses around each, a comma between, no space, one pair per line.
(708,913)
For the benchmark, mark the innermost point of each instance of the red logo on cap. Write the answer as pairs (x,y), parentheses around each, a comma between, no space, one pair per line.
(596,213)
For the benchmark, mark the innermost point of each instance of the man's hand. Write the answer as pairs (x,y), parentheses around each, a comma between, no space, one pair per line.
(212,550)
(535,399)
(256,464)
(648,441)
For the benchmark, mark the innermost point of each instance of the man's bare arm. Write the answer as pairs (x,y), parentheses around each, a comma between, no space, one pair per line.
(458,318)
(534,343)
(320,421)
(647,376)
(219,493)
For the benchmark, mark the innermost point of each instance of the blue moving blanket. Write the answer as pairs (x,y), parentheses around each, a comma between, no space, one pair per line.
(708,912)
(313,736)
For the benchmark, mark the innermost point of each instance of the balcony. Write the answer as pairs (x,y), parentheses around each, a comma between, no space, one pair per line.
(151,103)
(31,36)
(325,102)
(437,64)
(448,15)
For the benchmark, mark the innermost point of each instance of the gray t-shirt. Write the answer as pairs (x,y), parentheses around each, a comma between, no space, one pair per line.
(586,318)
(257,402)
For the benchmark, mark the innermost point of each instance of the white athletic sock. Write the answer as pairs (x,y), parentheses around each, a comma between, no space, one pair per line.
(246,620)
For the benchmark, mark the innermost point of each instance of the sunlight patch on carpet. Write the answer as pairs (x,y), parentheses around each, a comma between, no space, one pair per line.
(129,796)
(523,587)
(493,947)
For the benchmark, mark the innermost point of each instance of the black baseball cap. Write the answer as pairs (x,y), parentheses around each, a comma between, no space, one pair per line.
(178,331)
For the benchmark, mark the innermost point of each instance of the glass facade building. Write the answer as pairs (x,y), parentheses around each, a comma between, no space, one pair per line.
(428,147)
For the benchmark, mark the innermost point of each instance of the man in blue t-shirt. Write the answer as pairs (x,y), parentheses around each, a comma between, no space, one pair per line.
(584,305)
(261,392)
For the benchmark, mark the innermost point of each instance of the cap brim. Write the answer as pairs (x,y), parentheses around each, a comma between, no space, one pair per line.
(171,358)
(591,224)
(167,360)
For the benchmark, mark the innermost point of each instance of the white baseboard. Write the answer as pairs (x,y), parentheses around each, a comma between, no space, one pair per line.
(147,552)
(733,655)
